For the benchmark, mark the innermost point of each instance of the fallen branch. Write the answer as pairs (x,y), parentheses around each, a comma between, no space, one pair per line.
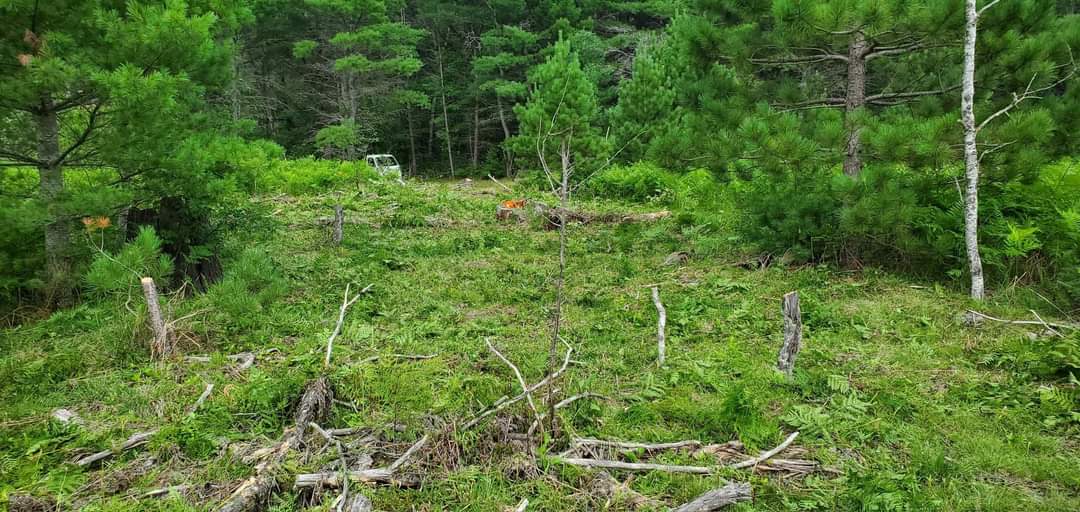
(341,320)
(766,455)
(136,440)
(521,381)
(246,359)
(503,403)
(1048,327)
(417,357)
(661,324)
(497,182)
(632,466)
(524,503)
(254,491)
(334,480)
(340,501)
(386,475)
(202,398)
(553,215)
(164,491)
(1025,322)
(606,486)
(562,403)
(629,445)
(400,461)
(718,498)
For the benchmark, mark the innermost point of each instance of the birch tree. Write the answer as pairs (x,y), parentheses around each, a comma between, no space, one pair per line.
(972,155)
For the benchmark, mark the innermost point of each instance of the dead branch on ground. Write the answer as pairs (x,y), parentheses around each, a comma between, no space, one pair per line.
(253,492)
(504,403)
(718,498)
(341,320)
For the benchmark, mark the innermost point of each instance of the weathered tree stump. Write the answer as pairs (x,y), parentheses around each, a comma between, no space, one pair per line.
(718,498)
(339,222)
(161,347)
(792,333)
(661,327)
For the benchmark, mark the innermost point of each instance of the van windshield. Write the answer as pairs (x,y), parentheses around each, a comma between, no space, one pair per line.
(385,161)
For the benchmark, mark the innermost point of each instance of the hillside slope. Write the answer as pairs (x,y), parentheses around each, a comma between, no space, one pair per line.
(901,405)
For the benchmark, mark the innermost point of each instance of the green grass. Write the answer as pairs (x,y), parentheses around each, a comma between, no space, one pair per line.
(913,409)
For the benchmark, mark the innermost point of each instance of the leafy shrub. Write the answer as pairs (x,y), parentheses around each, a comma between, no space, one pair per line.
(308,175)
(641,182)
(121,272)
(250,285)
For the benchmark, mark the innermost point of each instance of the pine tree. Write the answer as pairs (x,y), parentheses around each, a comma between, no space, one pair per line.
(855,56)
(103,84)
(558,120)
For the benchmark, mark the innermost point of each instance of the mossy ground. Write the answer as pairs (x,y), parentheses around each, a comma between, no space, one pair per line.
(915,410)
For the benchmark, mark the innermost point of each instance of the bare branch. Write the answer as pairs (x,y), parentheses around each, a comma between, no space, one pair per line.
(882,97)
(1028,94)
(987,6)
(341,320)
(91,123)
(520,379)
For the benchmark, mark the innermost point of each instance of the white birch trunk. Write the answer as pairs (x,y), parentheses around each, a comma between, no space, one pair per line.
(971,154)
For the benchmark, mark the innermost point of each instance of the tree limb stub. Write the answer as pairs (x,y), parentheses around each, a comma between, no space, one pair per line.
(719,498)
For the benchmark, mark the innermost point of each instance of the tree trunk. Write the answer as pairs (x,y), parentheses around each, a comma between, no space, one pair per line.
(855,99)
(51,174)
(560,284)
(446,117)
(431,133)
(507,155)
(971,154)
(412,143)
(476,134)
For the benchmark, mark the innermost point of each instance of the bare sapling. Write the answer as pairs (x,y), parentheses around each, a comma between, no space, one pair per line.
(562,191)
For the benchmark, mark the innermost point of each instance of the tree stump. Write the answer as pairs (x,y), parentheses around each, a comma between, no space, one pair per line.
(161,347)
(792,333)
(339,222)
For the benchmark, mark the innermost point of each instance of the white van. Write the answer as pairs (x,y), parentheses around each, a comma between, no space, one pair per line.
(385,165)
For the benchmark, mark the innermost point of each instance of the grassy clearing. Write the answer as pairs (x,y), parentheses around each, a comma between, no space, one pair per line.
(914,410)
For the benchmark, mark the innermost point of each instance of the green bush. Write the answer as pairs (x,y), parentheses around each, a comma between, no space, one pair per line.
(912,220)
(251,284)
(121,272)
(641,182)
(308,175)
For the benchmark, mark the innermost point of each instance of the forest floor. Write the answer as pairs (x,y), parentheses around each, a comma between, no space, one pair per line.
(901,405)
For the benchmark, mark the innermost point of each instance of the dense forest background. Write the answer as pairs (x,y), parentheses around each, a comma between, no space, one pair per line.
(832,125)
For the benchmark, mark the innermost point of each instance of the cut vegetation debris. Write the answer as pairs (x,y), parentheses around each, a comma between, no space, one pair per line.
(436,394)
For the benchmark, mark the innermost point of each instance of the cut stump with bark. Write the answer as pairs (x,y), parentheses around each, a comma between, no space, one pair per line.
(339,223)
(792,333)
(161,347)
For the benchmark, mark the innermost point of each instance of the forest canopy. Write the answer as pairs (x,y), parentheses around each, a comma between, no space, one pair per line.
(833,123)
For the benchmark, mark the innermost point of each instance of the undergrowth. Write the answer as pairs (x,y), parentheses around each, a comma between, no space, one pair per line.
(908,407)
